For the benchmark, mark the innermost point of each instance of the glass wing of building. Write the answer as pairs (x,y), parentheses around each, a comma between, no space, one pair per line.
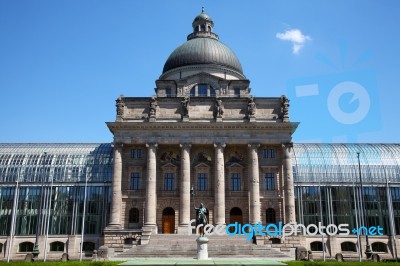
(47,183)
(328,181)
(54,177)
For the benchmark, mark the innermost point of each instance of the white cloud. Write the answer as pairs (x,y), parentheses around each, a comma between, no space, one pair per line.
(296,37)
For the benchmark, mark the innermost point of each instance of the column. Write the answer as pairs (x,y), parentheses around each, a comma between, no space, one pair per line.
(151,192)
(219,208)
(254,185)
(184,211)
(116,198)
(290,215)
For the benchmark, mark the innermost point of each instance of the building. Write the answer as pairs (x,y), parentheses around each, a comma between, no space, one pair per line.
(204,132)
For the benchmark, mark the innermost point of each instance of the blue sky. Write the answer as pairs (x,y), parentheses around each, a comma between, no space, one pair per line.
(63,63)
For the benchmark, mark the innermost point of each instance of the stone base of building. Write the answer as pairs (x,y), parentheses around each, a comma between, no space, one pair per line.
(122,240)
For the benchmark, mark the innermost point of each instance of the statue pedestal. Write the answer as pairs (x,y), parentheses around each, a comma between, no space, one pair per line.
(202,248)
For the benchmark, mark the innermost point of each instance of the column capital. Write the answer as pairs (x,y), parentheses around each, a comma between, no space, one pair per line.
(287,145)
(151,145)
(219,145)
(185,145)
(117,145)
(253,145)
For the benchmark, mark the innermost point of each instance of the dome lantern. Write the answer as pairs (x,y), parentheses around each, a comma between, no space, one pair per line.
(202,49)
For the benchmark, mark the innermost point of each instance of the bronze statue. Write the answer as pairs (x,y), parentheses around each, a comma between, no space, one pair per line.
(201,218)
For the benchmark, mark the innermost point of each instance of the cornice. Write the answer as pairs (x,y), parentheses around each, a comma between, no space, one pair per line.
(115,126)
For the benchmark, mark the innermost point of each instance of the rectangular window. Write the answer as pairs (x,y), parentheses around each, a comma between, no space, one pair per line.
(269,153)
(135,181)
(139,153)
(169,181)
(202,181)
(168,92)
(236,92)
(269,181)
(136,153)
(235,182)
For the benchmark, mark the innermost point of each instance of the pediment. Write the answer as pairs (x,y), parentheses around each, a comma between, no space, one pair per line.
(201,77)
(232,165)
(169,165)
(202,165)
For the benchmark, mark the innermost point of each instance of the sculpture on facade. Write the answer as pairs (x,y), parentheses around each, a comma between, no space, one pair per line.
(153,107)
(185,107)
(284,108)
(219,108)
(201,218)
(120,104)
(251,107)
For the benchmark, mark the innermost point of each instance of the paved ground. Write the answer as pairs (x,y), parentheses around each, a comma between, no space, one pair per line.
(190,262)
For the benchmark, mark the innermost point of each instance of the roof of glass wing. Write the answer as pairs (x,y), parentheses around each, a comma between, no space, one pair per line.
(62,162)
(312,163)
(337,163)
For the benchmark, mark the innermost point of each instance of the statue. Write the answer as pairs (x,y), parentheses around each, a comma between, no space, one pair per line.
(185,107)
(251,107)
(284,108)
(153,107)
(120,104)
(219,108)
(201,218)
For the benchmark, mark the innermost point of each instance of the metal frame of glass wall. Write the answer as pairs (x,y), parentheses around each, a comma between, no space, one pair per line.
(327,177)
(46,183)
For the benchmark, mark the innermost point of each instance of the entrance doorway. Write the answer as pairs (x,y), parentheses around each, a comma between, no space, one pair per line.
(235,215)
(168,221)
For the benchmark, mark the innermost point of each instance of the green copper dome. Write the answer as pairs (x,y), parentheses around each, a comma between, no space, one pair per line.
(203,48)
(200,51)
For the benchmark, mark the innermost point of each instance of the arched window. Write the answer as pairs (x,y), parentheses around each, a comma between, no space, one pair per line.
(348,246)
(316,246)
(133,215)
(1,247)
(88,246)
(25,247)
(57,246)
(270,217)
(379,247)
(203,27)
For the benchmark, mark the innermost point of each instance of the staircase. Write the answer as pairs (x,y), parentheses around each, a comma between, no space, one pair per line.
(218,247)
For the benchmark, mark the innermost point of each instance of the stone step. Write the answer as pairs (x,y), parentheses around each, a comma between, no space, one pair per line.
(174,245)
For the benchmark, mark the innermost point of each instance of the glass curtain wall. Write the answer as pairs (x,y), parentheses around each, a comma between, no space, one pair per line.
(329,174)
(53,178)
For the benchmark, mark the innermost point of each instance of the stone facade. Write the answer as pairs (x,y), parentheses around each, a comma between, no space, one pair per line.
(202,131)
